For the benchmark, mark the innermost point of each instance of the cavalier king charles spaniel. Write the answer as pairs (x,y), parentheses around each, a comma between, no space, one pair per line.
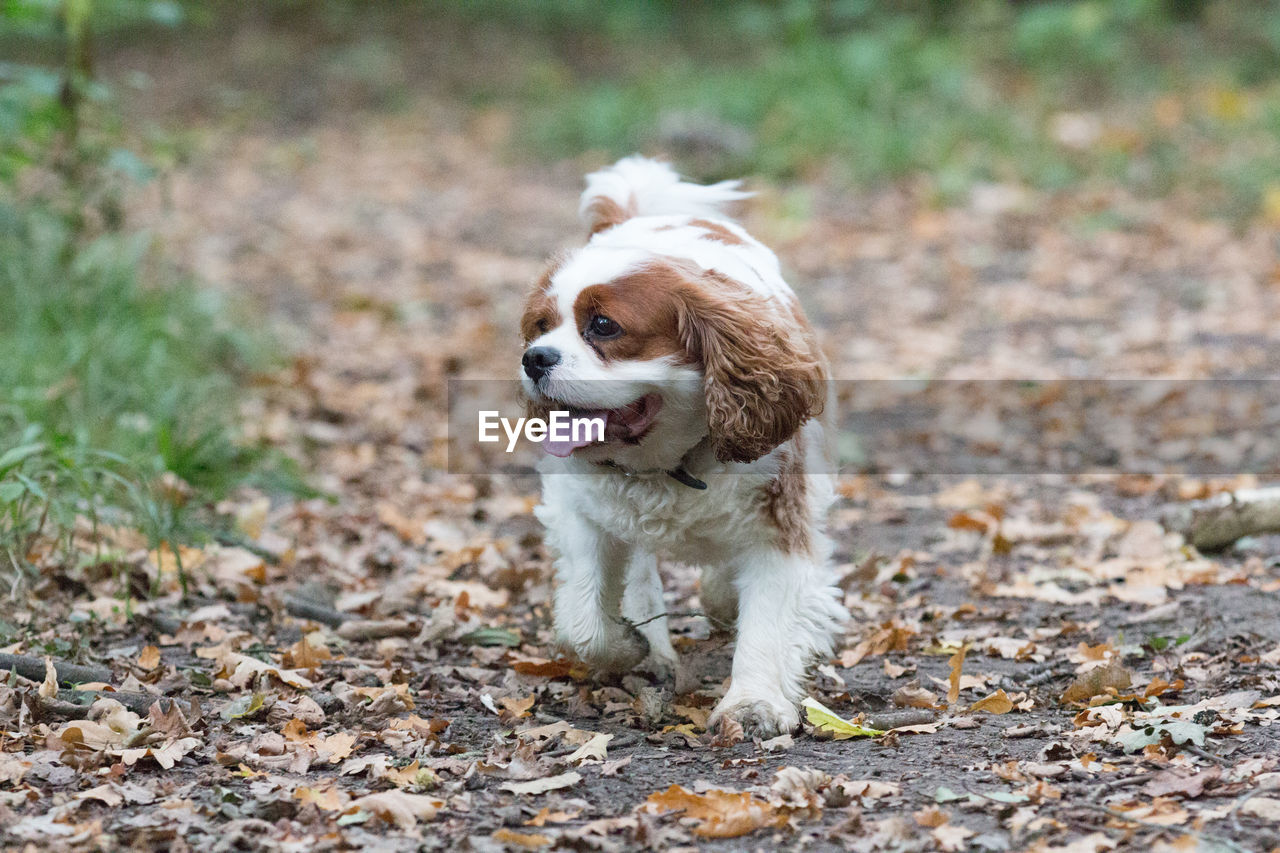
(674,331)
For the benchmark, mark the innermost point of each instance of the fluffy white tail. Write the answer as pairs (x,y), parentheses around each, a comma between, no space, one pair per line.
(638,186)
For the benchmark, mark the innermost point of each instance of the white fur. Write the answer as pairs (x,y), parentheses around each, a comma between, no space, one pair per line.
(609,526)
(651,188)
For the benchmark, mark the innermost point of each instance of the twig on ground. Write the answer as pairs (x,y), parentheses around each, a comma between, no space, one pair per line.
(377,629)
(1217,522)
(673,615)
(231,540)
(1136,779)
(1206,755)
(138,703)
(31,666)
(305,608)
(885,720)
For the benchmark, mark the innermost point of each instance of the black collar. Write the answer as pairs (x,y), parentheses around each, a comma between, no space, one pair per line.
(680,473)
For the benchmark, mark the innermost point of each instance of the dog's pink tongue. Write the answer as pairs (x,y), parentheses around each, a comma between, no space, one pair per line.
(582,427)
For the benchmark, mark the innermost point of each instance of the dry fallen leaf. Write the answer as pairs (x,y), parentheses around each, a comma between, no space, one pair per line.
(515,709)
(332,748)
(931,817)
(398,807)
(716,813)
(996,703)
(1267,808)
(957,663)
(547,783)
(593,750)
(545,816)
(331,799)
(912,695)
(529,841)
(952,837)
(1099,681)
(149,658)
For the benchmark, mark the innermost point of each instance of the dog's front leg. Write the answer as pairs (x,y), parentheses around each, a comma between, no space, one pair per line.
(788,617)
(644,607)
(592,572)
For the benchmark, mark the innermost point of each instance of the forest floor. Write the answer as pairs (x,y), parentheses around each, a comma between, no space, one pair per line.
(374,670)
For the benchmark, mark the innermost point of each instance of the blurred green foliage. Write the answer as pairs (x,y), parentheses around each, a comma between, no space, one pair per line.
(112,376)
(1163,95)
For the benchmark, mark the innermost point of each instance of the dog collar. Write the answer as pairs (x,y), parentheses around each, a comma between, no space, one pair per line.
(680,473)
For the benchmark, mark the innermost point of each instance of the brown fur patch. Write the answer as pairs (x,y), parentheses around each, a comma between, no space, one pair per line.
(603,213)
(763,372)
(540,313)
(645,304)
(718,232)
(786,505)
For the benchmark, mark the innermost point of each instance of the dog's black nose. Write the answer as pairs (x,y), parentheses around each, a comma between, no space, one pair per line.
(538,361)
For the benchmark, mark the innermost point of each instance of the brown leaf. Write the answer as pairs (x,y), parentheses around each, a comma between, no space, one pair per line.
(890,636)
(149,658)
(996,703)
(717,813)
(329,799)
(978,522)
(172,723)
(1099,681)
(559,668)
(894,671)
(728,732)
(1181,783)
(306,654)
(529,841)
(545,816)
(515,709)
(914,696)
(931,817)
(957,662)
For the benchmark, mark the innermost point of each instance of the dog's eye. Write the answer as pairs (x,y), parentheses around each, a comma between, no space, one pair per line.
(542,325)
(602,327)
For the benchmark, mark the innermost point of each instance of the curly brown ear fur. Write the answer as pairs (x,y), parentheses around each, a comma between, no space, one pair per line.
(763,372)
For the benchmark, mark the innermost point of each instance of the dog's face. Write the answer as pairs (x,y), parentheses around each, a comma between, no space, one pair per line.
(667,353)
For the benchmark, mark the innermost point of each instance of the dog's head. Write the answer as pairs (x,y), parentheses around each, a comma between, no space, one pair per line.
(668,350)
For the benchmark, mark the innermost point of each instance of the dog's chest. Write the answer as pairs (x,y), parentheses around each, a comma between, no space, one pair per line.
(663,515)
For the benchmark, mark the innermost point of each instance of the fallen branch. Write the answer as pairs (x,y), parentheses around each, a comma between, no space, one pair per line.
(377,629)
(30,666)
(305,608)
(1215,523)
(137,702)
(886,720)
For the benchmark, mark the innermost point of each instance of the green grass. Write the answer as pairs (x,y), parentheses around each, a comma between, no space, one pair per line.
(950,93)
(119,382)
(107,383)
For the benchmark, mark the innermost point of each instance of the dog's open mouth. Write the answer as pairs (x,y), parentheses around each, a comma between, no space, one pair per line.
(627,424)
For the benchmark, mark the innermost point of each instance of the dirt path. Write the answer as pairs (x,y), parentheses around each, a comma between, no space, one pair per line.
(392,249)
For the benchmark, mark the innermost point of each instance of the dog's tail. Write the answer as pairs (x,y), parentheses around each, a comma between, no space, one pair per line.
(638,186)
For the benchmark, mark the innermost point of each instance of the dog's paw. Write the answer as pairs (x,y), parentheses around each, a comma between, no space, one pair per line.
(621,650)
(759,717)
(664,668)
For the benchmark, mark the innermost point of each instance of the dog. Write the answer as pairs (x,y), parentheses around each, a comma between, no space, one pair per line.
(675,328)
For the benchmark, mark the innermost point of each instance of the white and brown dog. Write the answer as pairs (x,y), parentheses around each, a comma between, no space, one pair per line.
(676,329)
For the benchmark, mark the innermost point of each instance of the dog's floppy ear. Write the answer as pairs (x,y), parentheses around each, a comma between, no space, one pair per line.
(762,371)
